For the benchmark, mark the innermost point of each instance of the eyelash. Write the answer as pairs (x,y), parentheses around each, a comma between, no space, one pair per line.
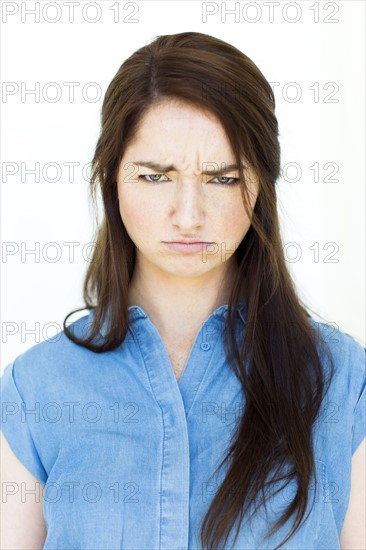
(234,182)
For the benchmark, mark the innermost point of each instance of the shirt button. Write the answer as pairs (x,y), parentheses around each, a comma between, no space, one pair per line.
(205,346)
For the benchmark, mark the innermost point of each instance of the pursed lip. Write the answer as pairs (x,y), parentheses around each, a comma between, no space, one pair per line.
(188,247)
(188,242)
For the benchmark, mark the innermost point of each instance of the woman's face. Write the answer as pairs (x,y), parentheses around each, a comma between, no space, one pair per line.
(173,200)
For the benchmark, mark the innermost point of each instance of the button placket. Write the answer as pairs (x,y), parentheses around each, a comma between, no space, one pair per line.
(205,346)
(175,461)
(199,361)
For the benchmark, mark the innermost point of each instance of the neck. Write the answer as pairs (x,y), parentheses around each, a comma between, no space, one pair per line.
(179,305)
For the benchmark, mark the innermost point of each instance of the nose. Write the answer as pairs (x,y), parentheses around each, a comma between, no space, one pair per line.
(187,205)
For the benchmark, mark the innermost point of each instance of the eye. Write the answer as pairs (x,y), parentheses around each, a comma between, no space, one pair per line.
(143,176)
(233,182)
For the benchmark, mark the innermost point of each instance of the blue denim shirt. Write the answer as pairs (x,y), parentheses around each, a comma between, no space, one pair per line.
(126,452)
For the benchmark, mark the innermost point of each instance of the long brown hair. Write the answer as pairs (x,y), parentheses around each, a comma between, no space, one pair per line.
(278,361)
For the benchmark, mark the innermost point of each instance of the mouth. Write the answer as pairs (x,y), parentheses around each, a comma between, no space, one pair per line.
(189,242)
(188,246)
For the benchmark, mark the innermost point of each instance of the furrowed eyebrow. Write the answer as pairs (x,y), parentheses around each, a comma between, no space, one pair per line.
(159,168)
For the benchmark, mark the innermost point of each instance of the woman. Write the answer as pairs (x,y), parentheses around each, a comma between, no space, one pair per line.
(198,404)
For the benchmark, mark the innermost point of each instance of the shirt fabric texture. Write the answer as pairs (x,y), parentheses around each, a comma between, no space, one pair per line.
(126,452)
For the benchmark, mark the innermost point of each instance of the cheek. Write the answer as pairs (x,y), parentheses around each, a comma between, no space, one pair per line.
(234,220)
(138,214)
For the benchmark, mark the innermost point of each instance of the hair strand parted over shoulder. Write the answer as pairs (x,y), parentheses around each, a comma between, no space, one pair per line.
(277,362)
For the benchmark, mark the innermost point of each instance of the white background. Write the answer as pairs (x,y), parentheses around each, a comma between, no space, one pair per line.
(37,293)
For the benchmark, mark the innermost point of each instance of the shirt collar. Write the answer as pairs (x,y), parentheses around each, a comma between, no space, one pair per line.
(136,312)
(222,311)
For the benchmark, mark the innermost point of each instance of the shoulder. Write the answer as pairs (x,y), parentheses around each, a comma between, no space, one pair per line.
(344,403)
(47,363)
(338,340)
(348,354)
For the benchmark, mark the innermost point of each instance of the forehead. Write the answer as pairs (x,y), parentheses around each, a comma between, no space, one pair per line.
(165,111)
(177,132)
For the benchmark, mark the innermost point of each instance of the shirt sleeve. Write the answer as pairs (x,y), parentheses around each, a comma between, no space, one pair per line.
(359,414)
(15,426)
